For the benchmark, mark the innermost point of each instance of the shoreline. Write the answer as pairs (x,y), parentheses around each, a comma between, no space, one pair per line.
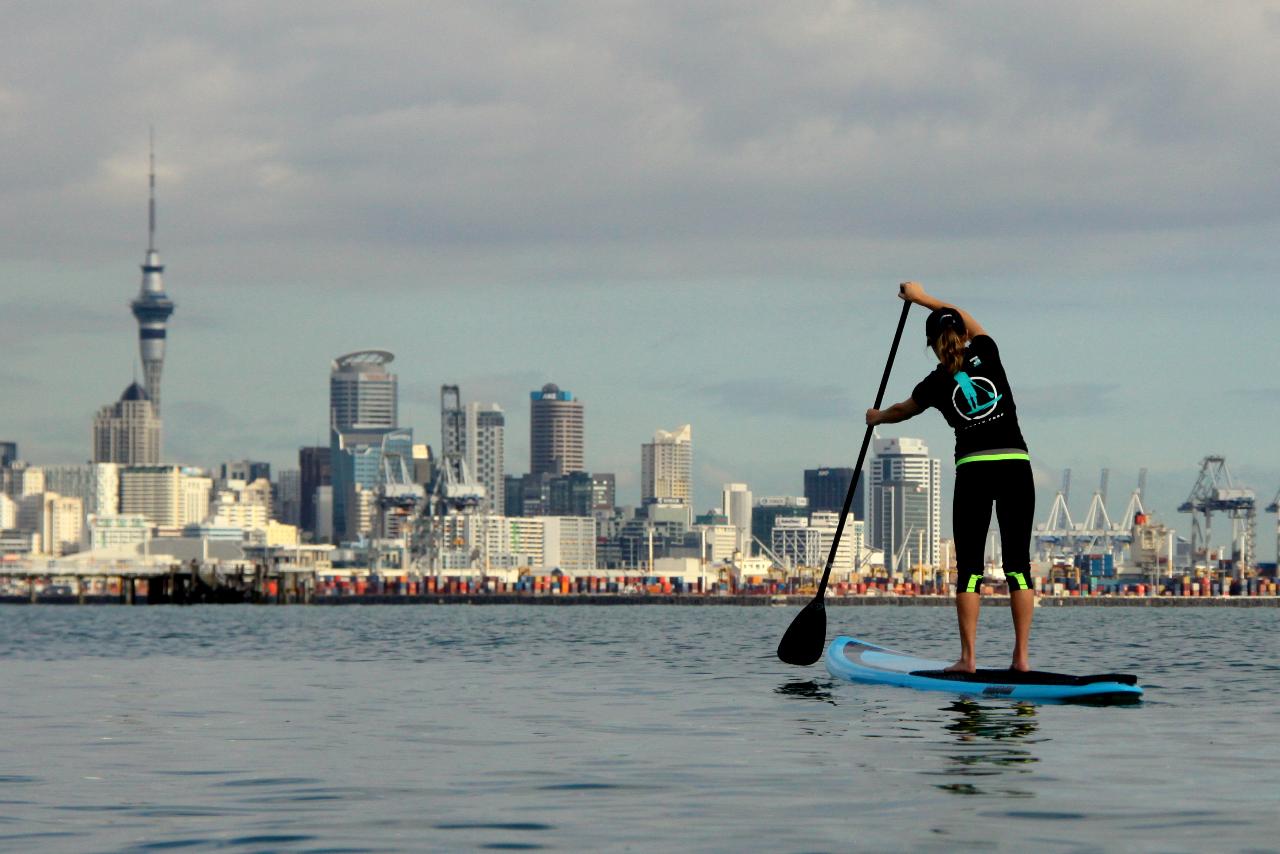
(698,600)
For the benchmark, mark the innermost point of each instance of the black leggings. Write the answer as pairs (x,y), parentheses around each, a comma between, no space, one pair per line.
(1007,484)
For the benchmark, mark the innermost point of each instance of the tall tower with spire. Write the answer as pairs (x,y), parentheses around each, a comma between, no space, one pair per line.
(152,306)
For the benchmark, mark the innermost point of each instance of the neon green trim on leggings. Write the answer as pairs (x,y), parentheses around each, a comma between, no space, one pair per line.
(1020,580)
(982,458)
(972,586)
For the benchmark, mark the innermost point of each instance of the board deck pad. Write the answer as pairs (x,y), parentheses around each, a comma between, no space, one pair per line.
(859,661)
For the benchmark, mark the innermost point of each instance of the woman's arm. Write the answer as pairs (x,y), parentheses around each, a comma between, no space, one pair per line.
(898,412)
(913,292)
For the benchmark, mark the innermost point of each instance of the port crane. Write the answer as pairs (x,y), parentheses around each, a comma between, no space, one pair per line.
(1215,492)
(452,491)
(1098,531)
(1274,507)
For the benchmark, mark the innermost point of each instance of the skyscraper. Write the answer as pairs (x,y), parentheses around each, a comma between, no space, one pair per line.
(666,466)
(363,413)
(362,392)
(316,471)
(555,432)
(152,306)
(128,431)
(906,503)
(826,489)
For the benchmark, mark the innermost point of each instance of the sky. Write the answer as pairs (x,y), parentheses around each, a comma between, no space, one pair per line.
(682,213)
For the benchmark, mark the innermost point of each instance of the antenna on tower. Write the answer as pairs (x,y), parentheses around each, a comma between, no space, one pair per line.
(151,206)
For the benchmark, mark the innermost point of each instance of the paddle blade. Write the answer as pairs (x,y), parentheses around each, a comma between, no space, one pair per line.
(806,636)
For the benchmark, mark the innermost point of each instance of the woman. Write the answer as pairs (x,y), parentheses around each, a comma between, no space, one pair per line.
(971,391)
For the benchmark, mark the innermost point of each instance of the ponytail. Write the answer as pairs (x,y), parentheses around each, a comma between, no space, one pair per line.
(949,348)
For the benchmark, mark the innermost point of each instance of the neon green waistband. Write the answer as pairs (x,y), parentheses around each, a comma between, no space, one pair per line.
(982,458)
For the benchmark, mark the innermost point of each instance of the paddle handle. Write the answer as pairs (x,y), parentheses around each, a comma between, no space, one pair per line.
(862,454)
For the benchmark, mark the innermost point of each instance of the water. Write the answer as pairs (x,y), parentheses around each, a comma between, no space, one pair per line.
(618,728)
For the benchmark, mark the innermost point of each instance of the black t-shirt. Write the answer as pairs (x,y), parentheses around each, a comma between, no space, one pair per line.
(977,401)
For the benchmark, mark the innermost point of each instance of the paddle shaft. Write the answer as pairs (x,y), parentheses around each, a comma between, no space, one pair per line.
(862,454)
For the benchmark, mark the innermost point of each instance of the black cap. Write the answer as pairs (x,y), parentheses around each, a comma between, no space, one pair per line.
(940,319)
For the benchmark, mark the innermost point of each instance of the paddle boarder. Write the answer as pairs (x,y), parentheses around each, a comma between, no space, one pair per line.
(970,389)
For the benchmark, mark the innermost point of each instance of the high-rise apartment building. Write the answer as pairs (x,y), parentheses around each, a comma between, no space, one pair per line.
(905,513)
(666,466)
(556,433)
(97,485)
(483,441)
(128,431)
(827,488)
(155,492)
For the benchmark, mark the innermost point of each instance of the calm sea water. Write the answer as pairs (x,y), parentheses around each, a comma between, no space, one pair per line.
(619,728)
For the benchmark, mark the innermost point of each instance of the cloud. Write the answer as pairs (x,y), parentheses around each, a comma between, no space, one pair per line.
(1067,400)
(777,398)
(644,137)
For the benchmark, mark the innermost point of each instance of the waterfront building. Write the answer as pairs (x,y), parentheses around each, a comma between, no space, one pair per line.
(288,497)
(151,308)
(118,530)
(826,488)
(719,542)
(666,466)
(316,471)
(18,543)
(240,509)
(736,503)
(807,542)
(128,431)
(569,543)
(905,513)
(556,432)
(769,509)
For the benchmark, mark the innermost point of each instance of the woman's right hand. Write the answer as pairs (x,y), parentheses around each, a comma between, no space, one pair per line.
(873,417)
(910,291)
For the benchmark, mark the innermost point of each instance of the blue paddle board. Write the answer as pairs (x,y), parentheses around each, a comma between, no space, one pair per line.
(859,661)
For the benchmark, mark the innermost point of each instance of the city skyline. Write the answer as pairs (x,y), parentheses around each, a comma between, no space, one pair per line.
(674,246)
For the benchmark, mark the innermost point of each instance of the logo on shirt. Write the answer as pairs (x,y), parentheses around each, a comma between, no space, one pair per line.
(974,397)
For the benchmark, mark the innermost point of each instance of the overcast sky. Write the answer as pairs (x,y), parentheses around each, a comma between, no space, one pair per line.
(679,212)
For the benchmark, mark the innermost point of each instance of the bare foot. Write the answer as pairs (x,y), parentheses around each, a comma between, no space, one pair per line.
(1020,664)
(960,666)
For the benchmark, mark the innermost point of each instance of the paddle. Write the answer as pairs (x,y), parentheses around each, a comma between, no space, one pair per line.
(802,644)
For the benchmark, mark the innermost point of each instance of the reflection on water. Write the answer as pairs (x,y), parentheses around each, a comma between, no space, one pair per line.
(807,690)
(988,742)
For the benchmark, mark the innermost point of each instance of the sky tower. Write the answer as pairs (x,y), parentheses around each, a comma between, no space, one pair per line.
(152,306)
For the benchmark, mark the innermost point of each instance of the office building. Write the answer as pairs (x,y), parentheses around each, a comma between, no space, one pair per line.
(362,392)
(169,496)
(288,497)
(118,531)
(151,308)
(827,488)
(604,492)
(8,453)
(357,473)
(246,470)
(128,431)
(736,503)
(905,512)
(197,488)
(8,512)
(316,471)
(666,467)
(58,519)
(556,432)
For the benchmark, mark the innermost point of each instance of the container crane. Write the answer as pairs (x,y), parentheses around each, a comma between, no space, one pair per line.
(1213,492)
